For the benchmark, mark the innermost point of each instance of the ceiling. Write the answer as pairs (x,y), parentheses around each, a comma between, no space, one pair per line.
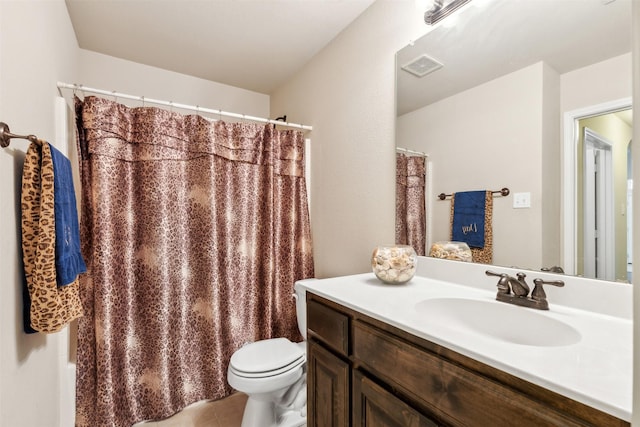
(492,38)
(252,44)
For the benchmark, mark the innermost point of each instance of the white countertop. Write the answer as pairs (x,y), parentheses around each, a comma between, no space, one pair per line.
(596,371)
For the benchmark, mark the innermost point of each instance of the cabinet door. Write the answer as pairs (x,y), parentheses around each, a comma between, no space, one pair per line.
(373,406)
(328,388)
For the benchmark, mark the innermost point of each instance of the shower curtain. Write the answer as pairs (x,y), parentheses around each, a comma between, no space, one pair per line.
(194,233)
(411,221)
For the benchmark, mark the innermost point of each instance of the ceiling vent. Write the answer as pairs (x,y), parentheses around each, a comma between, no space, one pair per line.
(422,65)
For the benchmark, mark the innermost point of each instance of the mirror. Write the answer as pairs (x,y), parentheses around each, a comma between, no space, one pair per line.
(510,87)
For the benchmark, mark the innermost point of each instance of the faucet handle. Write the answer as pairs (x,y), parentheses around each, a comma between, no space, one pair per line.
(503,283)
(538,291)
(492,273)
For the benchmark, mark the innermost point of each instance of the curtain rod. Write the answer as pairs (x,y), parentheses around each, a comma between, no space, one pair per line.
(171,104)
(406,150)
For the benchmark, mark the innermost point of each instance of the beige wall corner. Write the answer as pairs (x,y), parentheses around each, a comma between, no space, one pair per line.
(347,92)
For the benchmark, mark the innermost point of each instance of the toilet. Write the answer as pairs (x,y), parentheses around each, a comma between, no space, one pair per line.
(272,373)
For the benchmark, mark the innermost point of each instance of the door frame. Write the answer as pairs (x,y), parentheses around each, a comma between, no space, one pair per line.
(571,139)
(599,258)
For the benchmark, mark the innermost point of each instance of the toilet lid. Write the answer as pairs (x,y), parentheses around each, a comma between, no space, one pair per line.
(266,355)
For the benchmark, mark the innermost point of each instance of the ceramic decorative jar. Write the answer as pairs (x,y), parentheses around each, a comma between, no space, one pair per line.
(394,264)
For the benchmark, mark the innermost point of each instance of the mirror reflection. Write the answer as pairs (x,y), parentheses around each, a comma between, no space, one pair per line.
(519,94)
(603,188)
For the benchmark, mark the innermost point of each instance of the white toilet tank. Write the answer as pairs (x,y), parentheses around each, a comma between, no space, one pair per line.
(300,296)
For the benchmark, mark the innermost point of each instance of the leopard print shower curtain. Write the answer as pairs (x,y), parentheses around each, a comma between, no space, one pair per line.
(194,233)
(411,223)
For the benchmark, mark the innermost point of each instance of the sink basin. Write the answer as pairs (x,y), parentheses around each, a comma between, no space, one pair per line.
(498,320)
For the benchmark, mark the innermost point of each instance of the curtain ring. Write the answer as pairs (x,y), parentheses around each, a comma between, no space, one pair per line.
(142,98)
(171,106)
(115,98)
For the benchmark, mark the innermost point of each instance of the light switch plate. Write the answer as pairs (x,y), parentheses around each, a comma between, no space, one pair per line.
(521,200)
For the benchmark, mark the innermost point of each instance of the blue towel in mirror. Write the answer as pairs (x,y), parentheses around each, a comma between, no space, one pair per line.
(469,218)
(69,261)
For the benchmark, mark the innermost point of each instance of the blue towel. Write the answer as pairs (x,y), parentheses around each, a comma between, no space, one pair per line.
(468,218)
(69,262)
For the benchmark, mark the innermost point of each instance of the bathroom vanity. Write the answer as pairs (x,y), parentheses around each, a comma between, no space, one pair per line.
(412,355)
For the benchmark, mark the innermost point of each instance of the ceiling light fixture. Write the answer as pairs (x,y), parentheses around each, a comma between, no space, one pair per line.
(441,9)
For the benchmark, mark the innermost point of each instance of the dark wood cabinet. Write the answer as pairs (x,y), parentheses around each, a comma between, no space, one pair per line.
(454,394)
(328,398)
(328,366)
(364,372)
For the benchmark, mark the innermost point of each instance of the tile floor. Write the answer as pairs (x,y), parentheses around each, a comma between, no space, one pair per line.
(226,412)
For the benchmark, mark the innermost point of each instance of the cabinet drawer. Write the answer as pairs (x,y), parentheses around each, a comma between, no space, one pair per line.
(329,326)
(451,393)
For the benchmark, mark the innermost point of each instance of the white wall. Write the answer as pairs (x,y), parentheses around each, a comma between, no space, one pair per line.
(37,47)
(584,87)
(347,92)
(110,73)
(551,208)
(489,137)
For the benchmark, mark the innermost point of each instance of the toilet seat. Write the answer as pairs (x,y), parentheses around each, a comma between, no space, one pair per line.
(267,358)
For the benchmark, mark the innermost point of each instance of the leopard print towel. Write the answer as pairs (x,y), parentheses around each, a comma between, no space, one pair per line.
(51,307)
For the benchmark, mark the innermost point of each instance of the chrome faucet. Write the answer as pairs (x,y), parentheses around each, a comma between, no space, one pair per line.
(515,290)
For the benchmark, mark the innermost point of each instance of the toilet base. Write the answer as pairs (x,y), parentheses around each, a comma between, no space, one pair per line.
(261,413)
(292,419)
(257,413)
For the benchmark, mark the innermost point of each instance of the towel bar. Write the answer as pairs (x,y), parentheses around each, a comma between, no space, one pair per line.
(503,192)
(6,135)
